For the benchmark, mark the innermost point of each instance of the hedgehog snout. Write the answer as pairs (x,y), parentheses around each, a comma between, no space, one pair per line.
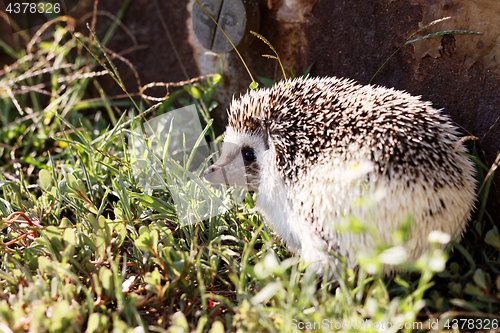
(229,174)
(229,168)
(213,174)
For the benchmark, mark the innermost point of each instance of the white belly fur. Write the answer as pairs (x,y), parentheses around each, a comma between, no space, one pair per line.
(333,191)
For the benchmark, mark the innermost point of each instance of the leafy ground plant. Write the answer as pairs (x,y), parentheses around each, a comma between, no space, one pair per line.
(85,247)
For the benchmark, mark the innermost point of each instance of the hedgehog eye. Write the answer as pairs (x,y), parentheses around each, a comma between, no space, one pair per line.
(248,155)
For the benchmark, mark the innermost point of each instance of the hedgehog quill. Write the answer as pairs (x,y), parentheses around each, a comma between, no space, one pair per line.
(312,148)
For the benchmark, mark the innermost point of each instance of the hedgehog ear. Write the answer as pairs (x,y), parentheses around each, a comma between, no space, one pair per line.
(265,132)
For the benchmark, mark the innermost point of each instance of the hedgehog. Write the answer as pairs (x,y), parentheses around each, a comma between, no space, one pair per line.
(312,148)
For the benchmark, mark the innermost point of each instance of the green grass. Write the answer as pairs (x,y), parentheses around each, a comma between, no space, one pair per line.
(84,247)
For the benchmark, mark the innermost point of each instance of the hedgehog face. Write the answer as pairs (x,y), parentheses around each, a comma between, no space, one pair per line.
(239,163)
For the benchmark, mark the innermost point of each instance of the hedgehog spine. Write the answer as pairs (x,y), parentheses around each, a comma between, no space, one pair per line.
(314,147)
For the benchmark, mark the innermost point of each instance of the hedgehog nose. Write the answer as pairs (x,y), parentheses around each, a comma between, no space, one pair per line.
(208,173)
